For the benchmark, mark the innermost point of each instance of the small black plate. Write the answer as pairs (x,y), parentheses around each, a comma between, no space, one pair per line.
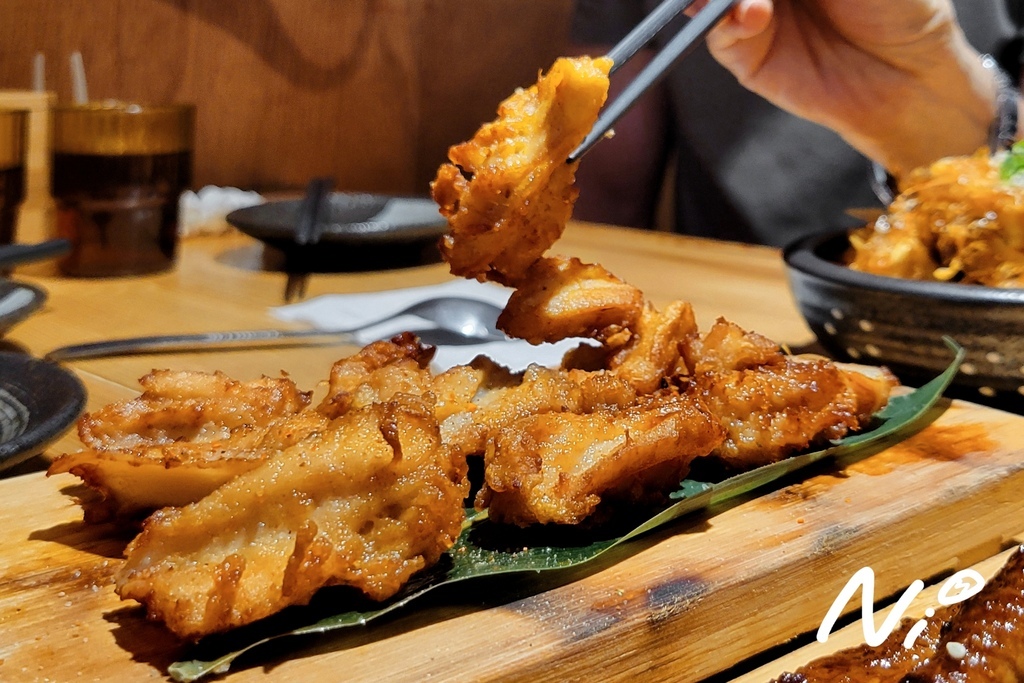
(39,400)
(347,218)
(357,231)
(17,302)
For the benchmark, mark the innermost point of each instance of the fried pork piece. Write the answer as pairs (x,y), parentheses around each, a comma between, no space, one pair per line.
(185,435)
(557,467)
(563,297)
(504,398)
(508,192)
(369,502)
(773,405)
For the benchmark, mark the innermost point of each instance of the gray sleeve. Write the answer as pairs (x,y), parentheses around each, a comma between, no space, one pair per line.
(604,22)
(993,27)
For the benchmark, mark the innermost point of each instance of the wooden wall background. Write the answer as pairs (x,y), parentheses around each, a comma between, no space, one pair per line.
(370,91)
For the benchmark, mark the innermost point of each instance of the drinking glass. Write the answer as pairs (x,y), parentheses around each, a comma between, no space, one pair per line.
(118,171)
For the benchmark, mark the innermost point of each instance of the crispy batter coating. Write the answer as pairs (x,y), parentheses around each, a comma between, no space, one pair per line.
(504,398)
(773,405)
(563,297)
(137,481)
(655,353)
(377,372)
(185,435)
(557,467)
(956,220)
(508,192)
(383,369)
(191,409)
(372,500)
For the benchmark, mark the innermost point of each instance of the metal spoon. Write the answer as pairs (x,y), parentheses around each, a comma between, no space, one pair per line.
(458,321)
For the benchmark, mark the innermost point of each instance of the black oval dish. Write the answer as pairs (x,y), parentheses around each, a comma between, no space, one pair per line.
(900,323)
(357,231)
(39,400)
(17,302)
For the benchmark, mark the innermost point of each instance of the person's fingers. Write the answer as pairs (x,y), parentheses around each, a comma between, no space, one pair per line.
(748,19)
(751,17)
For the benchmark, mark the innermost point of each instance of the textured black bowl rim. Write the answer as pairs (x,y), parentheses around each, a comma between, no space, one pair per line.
(369,232)
(805,256)
(11,319)
(42,429)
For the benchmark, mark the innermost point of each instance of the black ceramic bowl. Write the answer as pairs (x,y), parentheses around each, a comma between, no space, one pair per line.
(900,323)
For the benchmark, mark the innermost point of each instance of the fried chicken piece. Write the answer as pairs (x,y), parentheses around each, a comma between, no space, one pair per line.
(186,434)
(190,410)
(557,467)
(773,405)
(377,372)
(563,297)
(368,503)
(383,369)
(508,193)
(135,482)
(505,397)
(651,355)
(655,353)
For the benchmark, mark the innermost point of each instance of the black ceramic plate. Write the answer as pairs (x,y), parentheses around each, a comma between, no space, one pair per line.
(353,219)
(17,302)
(39,400)
(358,232)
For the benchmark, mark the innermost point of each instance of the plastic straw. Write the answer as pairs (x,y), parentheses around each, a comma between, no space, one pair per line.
(79,90)
(39,72)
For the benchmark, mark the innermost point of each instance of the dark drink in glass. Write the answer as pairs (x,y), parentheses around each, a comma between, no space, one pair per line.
(121,212)
(118,172)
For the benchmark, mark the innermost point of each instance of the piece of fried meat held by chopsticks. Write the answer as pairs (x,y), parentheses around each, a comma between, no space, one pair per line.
(185,435)
(368,503)
(508,192)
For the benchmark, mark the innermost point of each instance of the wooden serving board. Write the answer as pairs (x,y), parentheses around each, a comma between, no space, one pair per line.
(680,605)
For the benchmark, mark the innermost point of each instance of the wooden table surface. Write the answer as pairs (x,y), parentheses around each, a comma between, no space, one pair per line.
(711,595)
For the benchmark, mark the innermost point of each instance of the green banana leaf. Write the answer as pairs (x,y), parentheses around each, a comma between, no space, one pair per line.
(476,554)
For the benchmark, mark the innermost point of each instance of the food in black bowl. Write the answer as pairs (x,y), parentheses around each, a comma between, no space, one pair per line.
(953,226)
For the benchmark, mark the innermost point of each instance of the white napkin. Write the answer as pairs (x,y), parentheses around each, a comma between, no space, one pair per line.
(339,311)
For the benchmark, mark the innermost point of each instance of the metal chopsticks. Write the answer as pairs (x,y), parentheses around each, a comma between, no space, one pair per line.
(677,48)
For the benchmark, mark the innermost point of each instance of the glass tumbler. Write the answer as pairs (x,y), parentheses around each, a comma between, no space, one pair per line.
(118,172)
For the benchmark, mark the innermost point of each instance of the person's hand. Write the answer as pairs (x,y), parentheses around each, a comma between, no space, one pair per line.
(896,78)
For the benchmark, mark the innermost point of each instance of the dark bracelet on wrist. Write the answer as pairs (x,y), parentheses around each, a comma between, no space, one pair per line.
(1003,131)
